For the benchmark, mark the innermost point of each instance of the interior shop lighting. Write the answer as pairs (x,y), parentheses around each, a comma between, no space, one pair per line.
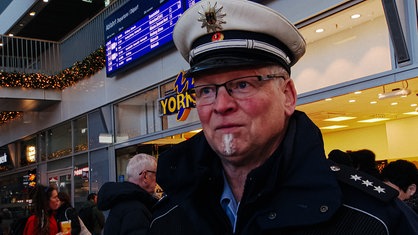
(333,127)
(371,120)
(339,119)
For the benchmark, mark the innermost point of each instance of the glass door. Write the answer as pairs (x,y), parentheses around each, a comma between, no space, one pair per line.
(62,181)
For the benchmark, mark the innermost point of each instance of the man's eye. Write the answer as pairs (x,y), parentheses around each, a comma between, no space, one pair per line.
(242,85)
(206,91)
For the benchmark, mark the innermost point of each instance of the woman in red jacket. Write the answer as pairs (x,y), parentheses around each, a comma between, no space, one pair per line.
(42,222)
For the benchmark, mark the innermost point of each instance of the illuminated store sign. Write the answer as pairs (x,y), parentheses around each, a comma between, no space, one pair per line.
(3,159)
(179,101)
(31,153)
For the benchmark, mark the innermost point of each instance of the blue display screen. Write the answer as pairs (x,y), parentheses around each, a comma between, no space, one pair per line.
(153,31)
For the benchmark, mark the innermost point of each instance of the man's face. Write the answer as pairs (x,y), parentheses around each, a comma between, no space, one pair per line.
(247,130)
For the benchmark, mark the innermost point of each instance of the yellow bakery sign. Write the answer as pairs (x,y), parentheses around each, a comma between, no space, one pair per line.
(179,101)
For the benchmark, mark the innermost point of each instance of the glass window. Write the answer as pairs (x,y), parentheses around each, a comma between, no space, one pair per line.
(28,153)
(137,116)
(81,180)
(80,134)
(59,141)
(97,127)
(99,169)
(59,164)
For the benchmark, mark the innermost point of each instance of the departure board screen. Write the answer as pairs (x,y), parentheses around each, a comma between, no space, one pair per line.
(135,43)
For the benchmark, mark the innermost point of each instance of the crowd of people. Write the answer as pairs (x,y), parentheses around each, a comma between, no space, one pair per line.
(259,165)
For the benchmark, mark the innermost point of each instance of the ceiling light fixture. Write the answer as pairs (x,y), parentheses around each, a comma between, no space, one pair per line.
(397,92)
(394,93)
(355,16)
(319,30)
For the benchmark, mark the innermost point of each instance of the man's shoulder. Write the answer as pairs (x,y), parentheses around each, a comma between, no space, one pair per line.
(363,183)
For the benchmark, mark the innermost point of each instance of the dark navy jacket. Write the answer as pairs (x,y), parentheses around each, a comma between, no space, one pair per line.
(129,206)
(296,191)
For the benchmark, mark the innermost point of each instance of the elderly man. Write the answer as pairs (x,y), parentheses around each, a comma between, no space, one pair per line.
(130,202)
(259,166)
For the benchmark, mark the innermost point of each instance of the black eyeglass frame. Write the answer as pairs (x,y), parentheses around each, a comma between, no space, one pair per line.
(228,90)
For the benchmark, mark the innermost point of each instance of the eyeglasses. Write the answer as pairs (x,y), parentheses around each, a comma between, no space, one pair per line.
(147,171)
(239,88)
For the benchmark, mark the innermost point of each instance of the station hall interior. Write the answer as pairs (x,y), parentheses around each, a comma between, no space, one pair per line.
(381,117)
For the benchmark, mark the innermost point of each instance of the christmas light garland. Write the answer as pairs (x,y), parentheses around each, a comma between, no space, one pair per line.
(93,63)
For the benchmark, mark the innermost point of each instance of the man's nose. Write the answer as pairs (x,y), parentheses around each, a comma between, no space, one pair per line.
(223,100)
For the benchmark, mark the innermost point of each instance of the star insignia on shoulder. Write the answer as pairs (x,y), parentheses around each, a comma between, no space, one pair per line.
(379,189)
(367,183)
(355,177)
(212,18)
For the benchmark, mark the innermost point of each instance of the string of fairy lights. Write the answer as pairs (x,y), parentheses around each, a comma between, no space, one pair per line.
(80,70)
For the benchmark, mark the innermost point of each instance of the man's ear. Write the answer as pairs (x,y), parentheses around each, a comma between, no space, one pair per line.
(290,93)
(412,189)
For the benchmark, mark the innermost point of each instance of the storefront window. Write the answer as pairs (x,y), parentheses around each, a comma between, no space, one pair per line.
(59,141)
(137,116)
(14,195)
(28,153)
(81,179)
(80,135)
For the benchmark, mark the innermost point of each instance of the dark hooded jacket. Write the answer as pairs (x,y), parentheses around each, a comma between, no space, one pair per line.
(66,212)
(296,191)
(129,207)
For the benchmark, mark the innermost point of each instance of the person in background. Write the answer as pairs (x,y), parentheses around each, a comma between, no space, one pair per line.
(401,175)
(91,216)
(45,201)
(259,166)
(365,160)
(66,212)
(340,157)
(130,202)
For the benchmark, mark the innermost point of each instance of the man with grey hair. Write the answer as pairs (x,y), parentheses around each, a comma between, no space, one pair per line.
(259,166)
(130,202)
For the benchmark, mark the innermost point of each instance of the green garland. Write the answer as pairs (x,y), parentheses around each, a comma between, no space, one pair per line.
(68,77)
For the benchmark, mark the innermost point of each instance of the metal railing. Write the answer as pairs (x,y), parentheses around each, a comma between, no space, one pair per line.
(29,55)
(39,56)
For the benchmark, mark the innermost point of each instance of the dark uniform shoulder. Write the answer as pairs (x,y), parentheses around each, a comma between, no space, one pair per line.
(363,182)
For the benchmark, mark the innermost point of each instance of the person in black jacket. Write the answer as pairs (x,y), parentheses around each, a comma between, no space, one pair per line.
(66,212)
(130,202)
(259,166)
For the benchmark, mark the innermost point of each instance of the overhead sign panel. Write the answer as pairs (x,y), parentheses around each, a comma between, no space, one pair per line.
(139,30)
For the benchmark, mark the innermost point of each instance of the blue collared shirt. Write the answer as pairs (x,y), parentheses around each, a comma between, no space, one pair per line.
(229,204)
